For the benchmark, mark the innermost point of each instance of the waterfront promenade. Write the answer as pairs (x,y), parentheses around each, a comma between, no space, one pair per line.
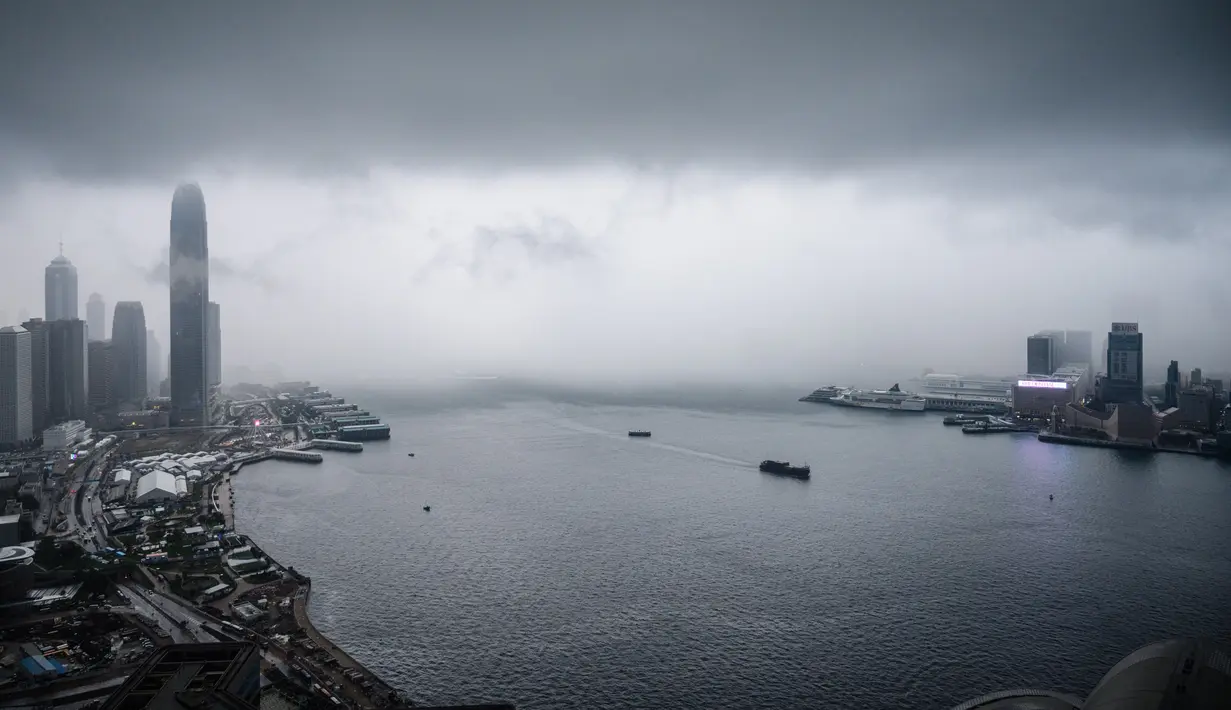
(223,502)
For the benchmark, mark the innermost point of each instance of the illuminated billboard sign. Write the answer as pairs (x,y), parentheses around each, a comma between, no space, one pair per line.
(1043,384)
(1124,328)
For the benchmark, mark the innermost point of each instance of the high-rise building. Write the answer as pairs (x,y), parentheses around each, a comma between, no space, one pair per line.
(60,289)
(1171,390)
(1078,348)
(102,375)
(153,364)
(1041,354)
(1123,383)
(128,337)
(189,304)
(214,330)
(40,334)
(1194,377)
(96,317)
(68,379)
(16,375)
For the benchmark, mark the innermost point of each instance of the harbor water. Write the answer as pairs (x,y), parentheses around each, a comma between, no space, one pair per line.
(564,564)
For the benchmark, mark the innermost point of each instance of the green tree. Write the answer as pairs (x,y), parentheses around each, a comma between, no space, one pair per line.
(46,552)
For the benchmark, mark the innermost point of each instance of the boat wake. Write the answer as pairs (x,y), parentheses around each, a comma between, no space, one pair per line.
(623,436)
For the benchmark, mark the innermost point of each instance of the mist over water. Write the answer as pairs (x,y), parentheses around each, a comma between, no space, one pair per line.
(564,565)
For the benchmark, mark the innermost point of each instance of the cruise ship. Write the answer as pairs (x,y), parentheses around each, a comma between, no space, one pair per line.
(893,399)
(824,394)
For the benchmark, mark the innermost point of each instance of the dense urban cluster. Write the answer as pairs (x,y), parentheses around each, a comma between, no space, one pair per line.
(1063,398)
(123,582)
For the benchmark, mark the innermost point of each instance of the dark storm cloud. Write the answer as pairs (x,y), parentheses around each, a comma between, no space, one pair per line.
(105,91)
(503,253)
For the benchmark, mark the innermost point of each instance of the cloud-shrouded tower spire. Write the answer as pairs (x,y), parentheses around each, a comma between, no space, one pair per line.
(61,289)
(96,317)
(189,305)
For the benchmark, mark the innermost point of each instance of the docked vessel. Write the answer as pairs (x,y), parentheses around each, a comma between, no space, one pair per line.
(964,419)
(639,433)
(892,399)
(823,394)
(783,468)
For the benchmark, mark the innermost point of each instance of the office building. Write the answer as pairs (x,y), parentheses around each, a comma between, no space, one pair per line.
(214,356)
(16,376)
(1123,382)
(102,375)
(189,305)
(96,317)
(203,676)
(153,364)
(128,343)
(1077,350)
(40,332)
(1194,377)
(60,292)
(1041,354)
(1171,390)
(1036,396)
(65,435)
(68,379)
(1198,408)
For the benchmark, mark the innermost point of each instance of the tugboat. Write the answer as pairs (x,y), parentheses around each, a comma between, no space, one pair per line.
(639,433)
(782,468)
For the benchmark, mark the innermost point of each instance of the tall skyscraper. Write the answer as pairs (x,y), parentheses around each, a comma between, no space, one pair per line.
(60,288)
(40,335)
(1171,390)
(96,317)
(1078,348)
(189,303)
(16,407)
(153,364)
(215,344)
(68,379)
(1123,383)
(102,375)
(128,336)
(1041,354)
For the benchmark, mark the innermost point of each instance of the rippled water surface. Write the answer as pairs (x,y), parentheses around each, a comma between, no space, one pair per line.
(565,565)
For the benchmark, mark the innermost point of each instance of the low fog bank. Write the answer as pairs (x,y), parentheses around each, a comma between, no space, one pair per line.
(618,277)
(428,396)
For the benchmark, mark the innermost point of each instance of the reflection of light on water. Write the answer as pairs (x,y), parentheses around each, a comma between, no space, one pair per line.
(582,428)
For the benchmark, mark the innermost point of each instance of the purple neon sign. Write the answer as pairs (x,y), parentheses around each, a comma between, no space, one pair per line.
(1043,384)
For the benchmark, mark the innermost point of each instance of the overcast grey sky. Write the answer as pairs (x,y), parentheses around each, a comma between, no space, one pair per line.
(786,190)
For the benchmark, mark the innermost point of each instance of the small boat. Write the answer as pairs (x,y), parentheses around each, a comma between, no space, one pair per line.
(411,454)
(639,433)
(427,508)
(783,468)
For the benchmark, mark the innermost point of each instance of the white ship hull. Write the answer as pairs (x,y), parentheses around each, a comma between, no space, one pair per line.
(881,399)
